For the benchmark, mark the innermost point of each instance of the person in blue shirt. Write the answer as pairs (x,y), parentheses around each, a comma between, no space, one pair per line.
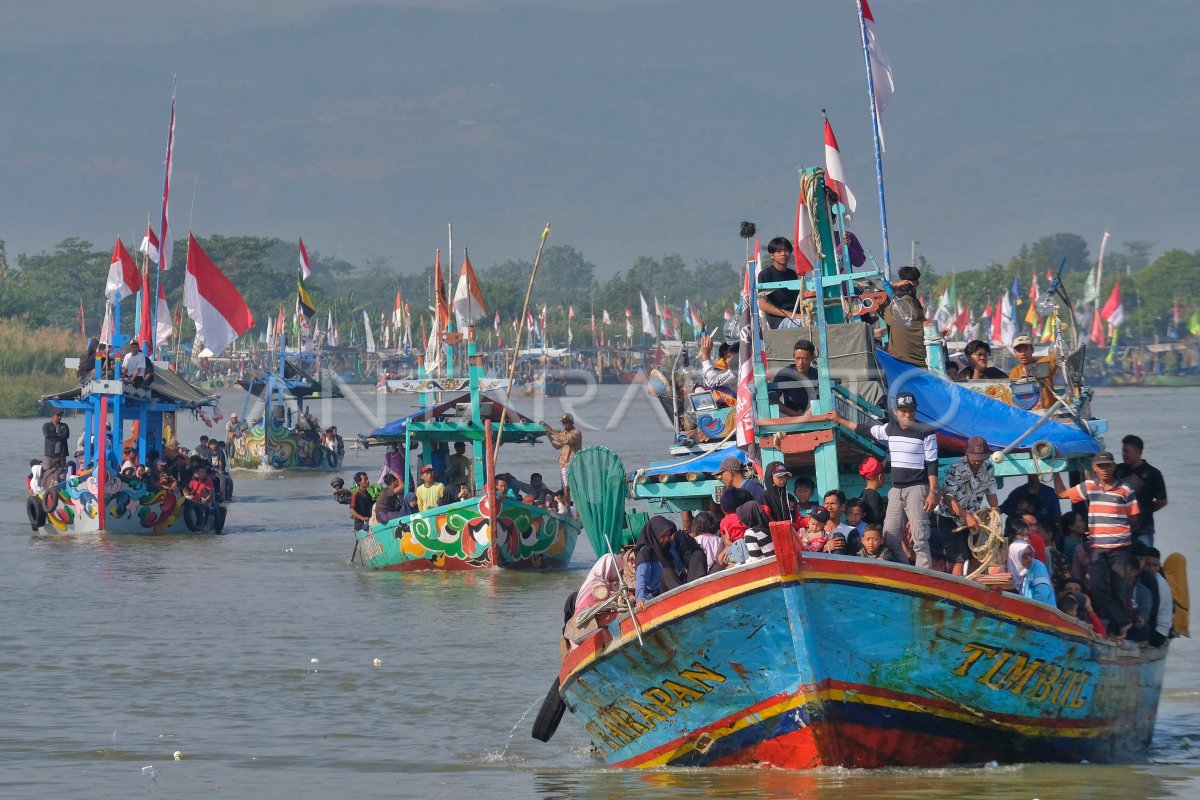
(1044,499)
(665,559)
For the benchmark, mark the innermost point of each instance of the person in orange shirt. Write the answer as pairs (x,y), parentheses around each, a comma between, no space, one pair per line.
(1022,347)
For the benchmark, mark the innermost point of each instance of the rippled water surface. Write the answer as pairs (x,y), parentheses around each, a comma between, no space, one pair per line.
(252,653)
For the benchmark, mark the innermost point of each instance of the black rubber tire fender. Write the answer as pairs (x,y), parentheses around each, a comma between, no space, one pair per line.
(550,714)
(218,517)
(194,515)
(35,511)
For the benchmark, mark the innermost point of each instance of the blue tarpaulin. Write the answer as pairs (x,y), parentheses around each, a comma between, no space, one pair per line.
(709,462)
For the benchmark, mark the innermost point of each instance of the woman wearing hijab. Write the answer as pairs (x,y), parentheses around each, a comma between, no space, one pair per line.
(665,558)
(1030,575)
(759,544)
(603,580)
(780,503)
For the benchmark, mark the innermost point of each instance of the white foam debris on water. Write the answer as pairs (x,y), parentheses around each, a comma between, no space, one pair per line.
(314,661)
(378,662)
(993,765)
(289,550)
(178,755)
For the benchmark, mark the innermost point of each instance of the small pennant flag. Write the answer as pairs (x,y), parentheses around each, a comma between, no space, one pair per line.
(149,245)
(305,269)
(123,276)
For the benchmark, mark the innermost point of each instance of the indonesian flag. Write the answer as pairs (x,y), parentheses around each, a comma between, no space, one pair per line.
(881,70)
(628,324)
(806,252)
(835,176)
(496,323)
(468,297)
(163,329)
(149,245)
(398,311)
(305,269)
(1114,310)
(123,276)
(213,302)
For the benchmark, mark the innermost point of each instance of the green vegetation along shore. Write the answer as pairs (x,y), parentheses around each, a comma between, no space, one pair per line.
(31,366)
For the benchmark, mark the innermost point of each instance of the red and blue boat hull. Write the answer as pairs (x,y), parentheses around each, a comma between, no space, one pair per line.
(832,661)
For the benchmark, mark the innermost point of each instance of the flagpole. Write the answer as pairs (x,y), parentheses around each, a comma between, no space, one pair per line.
(887,254)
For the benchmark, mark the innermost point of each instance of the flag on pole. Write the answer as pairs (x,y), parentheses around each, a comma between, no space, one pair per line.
(441,304)
(468,297)
(164,329)
(881,69)
(1031,316)
(304,300)
(213,302)
(629,324)
(805,251)
(835,175)
(82,326)
(124,279)
(570,316)
(995,323)
(962,319)
(606,319)
(164,231)
(106,327)
(647,321)
(1008,319)
(749,345)
(370,335)
(1048,329)
(305,269)
(1114,310)
(149,245)
(1016,293)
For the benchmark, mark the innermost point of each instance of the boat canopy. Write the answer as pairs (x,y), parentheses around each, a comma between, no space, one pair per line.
(167,387)
(958,412)
(709,462)
(445,422)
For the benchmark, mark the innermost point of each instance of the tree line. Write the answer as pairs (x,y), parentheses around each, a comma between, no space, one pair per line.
(46,288)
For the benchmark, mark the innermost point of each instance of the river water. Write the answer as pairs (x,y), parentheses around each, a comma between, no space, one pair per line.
(252,653)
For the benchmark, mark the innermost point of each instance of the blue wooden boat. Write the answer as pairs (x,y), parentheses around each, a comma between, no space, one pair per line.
(803,660)
(808,660)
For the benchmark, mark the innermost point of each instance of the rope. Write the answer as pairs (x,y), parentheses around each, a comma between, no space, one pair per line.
(987,541)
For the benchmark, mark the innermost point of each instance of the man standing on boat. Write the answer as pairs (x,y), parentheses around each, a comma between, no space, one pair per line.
(233,429)
(1029,367)
(970,487)
(569,441)
(361,503)
(56,434)
(430,492)
(1112,515)
(913,451)
(1146,481)
(779,304)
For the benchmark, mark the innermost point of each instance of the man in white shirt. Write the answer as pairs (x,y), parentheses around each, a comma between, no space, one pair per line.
(133,365)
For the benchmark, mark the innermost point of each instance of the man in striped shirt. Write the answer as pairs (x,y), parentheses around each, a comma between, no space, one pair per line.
(913,452)
(1112,515)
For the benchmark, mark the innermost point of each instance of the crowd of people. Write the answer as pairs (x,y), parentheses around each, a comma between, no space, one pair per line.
(1096,562)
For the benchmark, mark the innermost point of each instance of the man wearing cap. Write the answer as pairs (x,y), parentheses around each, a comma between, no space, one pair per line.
(731,475)
(430,492)
(874,503)
(1112,515)
(913,452)
(970,484)
(780,503)
(1022,348)
(233,429)
(905,318)
(569,441)
(56,434)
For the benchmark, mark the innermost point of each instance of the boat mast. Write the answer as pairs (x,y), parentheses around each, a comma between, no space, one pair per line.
(887,254)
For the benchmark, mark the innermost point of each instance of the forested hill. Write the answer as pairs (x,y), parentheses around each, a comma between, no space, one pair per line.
(644,129)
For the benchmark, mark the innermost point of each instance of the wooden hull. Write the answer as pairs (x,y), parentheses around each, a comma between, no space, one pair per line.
(458,537)
(133,507)
(282,450)
(819,660)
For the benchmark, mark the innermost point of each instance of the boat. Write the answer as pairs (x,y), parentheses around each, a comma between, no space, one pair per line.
(281,434)
(804,660)
(480,532)
(71,503)
(296,381)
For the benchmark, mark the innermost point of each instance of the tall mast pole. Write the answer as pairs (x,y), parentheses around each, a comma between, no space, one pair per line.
(887,255)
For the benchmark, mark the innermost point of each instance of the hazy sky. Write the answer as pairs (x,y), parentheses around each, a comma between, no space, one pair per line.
(637,128)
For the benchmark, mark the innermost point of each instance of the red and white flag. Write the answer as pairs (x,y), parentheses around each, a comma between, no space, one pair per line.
(442,307)
(835,175)
(123,276)
(164,232)
(468,297)
(1114,310)
(149,245)
(163,328)
(881,70)
(213,302)
(805,251)
(305,269)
